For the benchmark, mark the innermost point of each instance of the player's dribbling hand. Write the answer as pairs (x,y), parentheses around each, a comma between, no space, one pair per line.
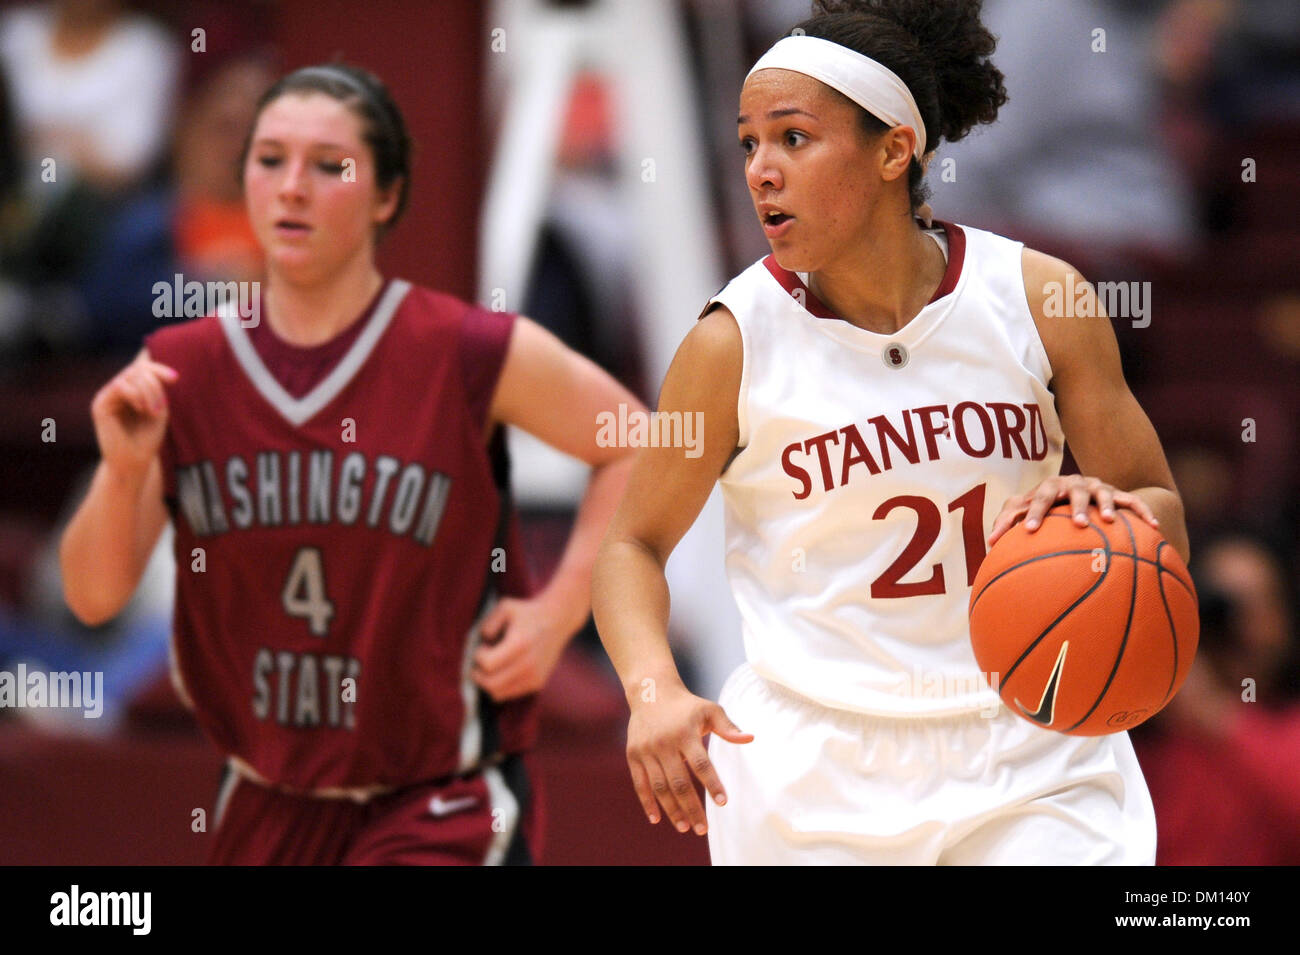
(1080,491)
(523,641)
(130,415)
(665,746)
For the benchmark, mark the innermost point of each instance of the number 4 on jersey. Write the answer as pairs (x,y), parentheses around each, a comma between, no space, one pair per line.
(304,591)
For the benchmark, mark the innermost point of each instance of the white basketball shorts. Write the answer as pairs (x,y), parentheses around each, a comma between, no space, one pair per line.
(820,786)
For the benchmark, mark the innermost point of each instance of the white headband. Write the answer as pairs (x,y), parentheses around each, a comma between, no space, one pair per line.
(875,88)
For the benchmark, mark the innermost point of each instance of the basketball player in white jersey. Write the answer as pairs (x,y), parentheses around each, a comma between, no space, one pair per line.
(881,401)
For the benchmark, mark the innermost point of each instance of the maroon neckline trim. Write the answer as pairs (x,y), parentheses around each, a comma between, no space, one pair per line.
(791,282)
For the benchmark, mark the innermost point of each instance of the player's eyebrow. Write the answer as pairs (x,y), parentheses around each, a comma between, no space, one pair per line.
(269,141)
(777,114)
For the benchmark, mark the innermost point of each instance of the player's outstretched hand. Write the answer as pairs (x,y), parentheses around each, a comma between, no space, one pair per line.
(130,415)
(523,641)
(1080,491)
(665,747)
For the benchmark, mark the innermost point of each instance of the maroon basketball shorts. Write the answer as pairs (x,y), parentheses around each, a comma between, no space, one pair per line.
(487,818)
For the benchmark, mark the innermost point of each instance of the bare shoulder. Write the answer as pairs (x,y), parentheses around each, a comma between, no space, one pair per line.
(706,371)
(1044,276)
(1039,268)
(714,345)
(704,377)
(1071,321)
(718,331)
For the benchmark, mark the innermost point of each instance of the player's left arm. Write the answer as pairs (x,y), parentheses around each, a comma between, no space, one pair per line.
(557,396)
(1111,437)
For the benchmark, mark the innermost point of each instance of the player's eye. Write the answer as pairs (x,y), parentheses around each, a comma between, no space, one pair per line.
(747,145)
(269,162)
(332,168)
(793,138)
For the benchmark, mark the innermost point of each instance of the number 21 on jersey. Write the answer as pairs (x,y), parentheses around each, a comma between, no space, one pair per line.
(928,523)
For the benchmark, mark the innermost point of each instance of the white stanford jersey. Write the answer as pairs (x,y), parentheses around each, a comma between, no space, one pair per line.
(872,467)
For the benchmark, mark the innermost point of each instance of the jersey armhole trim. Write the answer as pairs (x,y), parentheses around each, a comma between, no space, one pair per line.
(742,393)
(1036,337)
(462,337)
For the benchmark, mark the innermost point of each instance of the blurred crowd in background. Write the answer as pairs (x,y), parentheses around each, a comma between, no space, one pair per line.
(1170,155)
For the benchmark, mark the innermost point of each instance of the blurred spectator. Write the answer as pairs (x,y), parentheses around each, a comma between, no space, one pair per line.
(1230,439)
(190,220)
(93,87)
(10,178)
(213,236)
(1236,61)
(1075,160)
(1230,67)
(1254,579)
(197,225)
(130,651)
(579,286)
(10,209)
(42,241)
(1221,759)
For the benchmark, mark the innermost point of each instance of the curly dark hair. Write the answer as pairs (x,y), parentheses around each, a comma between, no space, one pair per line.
(383,126)
(939,48)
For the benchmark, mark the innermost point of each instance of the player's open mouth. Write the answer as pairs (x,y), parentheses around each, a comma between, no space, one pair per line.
(776,224)
(292,227)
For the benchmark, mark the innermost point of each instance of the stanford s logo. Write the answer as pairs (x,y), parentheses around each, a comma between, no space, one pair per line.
(1046,711)
(895,355)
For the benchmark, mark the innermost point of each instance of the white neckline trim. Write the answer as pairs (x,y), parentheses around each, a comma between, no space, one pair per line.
(297,411)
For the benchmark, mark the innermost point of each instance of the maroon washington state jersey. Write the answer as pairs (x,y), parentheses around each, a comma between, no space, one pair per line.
(335,547)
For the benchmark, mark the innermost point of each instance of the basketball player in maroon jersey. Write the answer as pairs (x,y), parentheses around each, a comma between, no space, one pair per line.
(352,625)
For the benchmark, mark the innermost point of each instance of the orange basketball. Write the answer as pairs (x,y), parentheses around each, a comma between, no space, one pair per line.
(1084,630)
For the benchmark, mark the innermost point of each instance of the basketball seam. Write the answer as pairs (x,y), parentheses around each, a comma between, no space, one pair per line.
(1172,573)
(1128,628)
(1173,632)
(975,598)
(1024,563)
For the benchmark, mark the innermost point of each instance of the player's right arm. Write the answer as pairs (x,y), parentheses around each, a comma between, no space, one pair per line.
(108,541)
(665,493)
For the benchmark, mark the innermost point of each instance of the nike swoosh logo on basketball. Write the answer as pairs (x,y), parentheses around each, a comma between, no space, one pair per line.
(1046,711)
(445,807)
